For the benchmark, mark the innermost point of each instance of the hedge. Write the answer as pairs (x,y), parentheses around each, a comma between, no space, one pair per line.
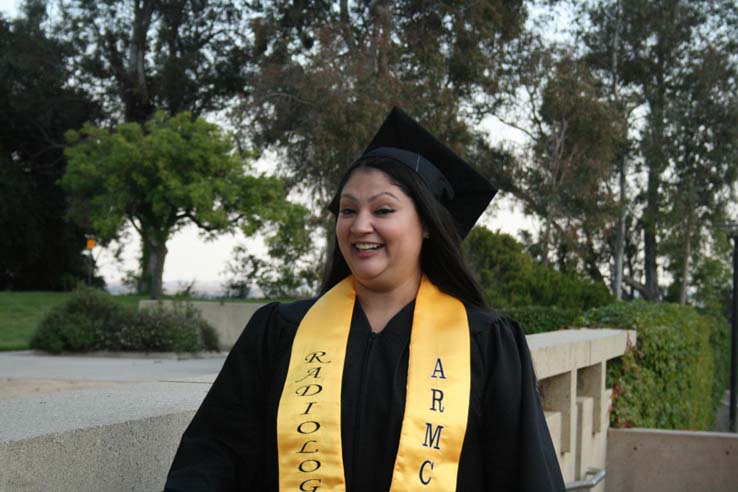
(668,380)
(538,319)
(720,344)
(92,320)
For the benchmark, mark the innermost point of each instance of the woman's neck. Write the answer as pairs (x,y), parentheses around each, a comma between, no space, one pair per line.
(380,305)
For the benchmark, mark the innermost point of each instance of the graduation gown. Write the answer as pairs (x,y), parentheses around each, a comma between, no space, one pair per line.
(231,443)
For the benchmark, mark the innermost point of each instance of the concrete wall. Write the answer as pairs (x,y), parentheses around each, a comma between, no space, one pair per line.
(122,438)
(650,460)
(228,318)
(128,456)
(115,439)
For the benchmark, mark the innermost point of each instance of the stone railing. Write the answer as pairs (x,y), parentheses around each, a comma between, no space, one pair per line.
(122,437)
(571,367)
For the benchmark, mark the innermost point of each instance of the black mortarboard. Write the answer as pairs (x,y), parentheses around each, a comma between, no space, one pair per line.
(461,189)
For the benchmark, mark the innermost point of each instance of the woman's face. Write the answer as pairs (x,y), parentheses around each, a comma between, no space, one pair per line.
(379,231)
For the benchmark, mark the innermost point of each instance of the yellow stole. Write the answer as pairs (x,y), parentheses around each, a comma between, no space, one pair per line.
(436,406)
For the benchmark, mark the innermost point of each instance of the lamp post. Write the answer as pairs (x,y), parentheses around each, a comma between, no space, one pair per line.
(732,228)
(89,247)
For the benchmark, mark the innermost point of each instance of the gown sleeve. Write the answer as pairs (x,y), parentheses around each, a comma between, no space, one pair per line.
(519,453)
(222,446)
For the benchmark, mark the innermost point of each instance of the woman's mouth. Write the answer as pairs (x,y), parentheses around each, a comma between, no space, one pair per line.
(366,249)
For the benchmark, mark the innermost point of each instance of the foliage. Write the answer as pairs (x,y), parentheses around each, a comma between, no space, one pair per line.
(326,74)
(77,324)
(561,173)
(539,319)
(720,344)
(291,270)
(667,380)
(713,284)
(161,330)
(92,320)
(680,69)
(38,249)
(159,177)
(137,56)
(511,278)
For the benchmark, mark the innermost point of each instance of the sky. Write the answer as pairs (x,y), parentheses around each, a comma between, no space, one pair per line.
(8,7)
(191,258)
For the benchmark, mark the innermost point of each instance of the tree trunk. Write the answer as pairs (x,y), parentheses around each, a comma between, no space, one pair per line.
(138,106)
(617,285)
(152,262)
(617,277)
(686,260)
(546,243)
(655,164)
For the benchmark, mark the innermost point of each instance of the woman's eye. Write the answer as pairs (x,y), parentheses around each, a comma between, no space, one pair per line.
(346,211)
(384,211)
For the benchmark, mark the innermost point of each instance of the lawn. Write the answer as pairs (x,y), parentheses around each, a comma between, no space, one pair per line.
(21,312)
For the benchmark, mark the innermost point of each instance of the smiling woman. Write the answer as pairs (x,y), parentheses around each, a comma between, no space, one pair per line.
(380,235)
(397,377)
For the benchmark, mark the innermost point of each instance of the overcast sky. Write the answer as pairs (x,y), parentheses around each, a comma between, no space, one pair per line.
(192,258)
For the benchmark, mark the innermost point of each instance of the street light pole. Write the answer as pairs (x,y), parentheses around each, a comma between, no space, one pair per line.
(732,230)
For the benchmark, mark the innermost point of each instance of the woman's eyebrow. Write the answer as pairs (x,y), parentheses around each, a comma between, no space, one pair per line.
(371,198)
(374,197)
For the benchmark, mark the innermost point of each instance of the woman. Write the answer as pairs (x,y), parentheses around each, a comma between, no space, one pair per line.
(397,377)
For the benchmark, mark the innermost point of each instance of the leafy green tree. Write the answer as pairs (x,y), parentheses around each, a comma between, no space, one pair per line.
(703,152)
(38,249)
(511,278)
(158,177)
(290,271)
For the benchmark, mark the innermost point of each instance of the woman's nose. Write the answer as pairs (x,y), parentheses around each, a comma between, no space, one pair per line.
(362,223)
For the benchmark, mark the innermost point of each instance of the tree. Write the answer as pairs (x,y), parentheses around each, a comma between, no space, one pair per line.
(654,43)
(511,278)
(325,74)
(291,270)
(135,56)
(161,176)
(703,152)
(38,249)
(139,55)
(562,173)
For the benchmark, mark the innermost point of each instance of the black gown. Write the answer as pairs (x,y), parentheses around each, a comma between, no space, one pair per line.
(231,444)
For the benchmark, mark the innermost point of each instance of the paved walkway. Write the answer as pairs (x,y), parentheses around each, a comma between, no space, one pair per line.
(23,373)
(44,394)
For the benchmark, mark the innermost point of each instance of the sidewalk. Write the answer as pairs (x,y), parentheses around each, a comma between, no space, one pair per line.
(159,367)
(59,412)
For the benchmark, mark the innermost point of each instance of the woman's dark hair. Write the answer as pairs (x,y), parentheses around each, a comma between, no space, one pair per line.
(441,256)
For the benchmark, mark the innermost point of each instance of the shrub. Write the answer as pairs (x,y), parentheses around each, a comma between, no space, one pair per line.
(666,381)
(163,330)
(91,320)
(538,319)
(77,325)
(511,278)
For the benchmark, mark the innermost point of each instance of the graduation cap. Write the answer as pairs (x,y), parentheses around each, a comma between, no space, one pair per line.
(461,189)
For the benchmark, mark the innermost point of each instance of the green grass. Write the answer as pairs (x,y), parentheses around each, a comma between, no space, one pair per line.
(21,312)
